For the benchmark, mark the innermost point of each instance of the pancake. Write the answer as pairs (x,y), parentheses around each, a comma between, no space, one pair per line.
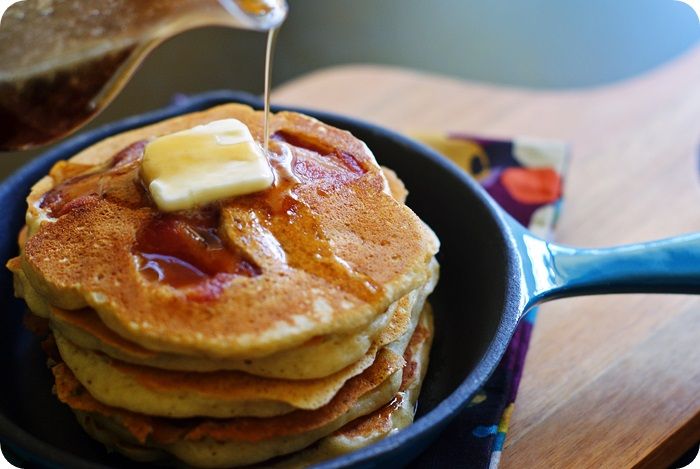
(328,246)
(316,358)
(280,327)
(220,394)
(393,416)
(396,186)
(209,453)
(238,441)
(355,434)
(319,357)
(115,439)
(23,289)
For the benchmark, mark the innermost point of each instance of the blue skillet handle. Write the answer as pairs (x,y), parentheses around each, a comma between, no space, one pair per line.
(554,271)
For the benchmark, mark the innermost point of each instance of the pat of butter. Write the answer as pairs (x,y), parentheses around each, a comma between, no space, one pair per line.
(204,164)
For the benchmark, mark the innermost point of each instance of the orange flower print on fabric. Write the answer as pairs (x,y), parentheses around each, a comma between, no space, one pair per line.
(532,185)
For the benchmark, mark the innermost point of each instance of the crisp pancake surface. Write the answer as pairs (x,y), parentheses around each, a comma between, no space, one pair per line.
(333,245)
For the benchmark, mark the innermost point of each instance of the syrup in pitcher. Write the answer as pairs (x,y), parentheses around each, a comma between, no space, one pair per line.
(63,61)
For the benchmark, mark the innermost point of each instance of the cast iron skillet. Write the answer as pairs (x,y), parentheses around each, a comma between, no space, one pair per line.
(492,271)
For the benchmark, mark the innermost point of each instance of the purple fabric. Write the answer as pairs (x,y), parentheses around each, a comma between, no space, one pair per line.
(476,437)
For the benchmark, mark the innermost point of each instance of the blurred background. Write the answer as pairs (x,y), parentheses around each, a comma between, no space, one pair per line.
(542,44)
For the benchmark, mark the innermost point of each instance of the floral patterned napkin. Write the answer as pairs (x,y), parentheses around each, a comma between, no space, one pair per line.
(525,176)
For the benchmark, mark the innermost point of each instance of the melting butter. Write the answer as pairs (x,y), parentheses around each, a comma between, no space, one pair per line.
(203,164)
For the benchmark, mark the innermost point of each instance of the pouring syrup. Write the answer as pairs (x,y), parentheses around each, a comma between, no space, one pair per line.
(63,61)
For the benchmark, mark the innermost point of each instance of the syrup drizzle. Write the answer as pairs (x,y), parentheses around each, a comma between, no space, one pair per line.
(189,249)
(285,215)
(345,159)
(106,181)
(181,250)
(269,50)
(164,245)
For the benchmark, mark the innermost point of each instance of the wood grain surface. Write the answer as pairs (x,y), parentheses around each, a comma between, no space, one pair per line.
(610,381)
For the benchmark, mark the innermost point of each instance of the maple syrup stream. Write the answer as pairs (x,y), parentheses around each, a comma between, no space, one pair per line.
(269,50)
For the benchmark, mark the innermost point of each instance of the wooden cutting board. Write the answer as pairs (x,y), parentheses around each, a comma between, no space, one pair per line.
(609,381)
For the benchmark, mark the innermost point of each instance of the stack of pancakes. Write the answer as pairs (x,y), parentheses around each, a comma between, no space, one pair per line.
(285,326)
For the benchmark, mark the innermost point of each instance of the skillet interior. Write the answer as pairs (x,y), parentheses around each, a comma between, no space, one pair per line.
(472,296)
